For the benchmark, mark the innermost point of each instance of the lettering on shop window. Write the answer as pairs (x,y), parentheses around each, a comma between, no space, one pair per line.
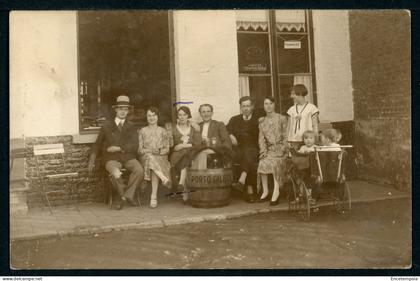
(257,67)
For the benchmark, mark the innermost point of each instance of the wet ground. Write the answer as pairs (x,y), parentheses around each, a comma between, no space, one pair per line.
(377,235)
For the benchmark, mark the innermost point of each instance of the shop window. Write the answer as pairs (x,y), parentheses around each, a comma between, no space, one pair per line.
(123,52)
(254,59)
(253,51)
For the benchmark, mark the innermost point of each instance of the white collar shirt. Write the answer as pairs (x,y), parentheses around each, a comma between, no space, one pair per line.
(118,120)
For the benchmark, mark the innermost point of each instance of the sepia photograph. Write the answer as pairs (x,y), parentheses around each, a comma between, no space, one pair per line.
(210,139)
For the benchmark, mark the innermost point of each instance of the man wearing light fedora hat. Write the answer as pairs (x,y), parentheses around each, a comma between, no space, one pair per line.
(117,144)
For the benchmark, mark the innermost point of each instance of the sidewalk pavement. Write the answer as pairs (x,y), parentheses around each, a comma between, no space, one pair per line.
(92,218)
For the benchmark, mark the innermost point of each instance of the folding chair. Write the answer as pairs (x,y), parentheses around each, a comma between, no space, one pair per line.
(53,153)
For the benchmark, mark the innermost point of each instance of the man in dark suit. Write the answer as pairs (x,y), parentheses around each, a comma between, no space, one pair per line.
(117,144)
(243,130)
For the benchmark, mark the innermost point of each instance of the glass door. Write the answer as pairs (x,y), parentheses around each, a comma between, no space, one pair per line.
(293,53)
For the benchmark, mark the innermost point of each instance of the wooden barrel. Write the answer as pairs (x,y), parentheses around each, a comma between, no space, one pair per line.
(209,187)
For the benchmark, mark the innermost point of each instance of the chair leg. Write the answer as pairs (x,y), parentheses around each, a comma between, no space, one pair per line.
(105,190)
(110,195)
(44,196)
(76,200)
(48,202)
(138,196)
(68,192)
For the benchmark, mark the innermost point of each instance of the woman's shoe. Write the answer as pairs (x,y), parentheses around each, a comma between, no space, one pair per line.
(265,199)
(276,202)
(153,203)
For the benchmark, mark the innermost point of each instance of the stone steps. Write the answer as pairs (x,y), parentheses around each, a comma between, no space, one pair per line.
(18,197)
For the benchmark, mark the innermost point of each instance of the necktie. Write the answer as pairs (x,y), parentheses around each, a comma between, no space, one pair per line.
(120,125)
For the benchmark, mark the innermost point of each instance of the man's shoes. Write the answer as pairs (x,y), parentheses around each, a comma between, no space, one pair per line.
(132,202)
(167,184)
(118,205)
(238,186)
(249,198)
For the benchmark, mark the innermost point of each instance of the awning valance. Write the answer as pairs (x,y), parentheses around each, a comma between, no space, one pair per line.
(290,20)
(257,20)
(290,27)
(252,25)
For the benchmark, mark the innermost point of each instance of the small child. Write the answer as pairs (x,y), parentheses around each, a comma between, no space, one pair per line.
(303,116)
(308,142)
(307,147)
(331,137)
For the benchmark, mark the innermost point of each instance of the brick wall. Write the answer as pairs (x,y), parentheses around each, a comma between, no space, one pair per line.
(380,58)
(86,188)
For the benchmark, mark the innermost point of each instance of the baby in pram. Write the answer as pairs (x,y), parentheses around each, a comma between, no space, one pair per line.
(308,138)
(300,162)
(329,140)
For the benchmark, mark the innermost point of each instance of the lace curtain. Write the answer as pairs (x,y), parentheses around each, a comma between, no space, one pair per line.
(243,86)
(307,81)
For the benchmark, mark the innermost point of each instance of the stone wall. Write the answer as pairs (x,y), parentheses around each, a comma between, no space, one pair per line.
(85,188)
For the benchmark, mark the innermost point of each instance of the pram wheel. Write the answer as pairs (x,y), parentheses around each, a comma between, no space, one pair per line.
(291,196)
(299,201)
(343,199)
(304,209)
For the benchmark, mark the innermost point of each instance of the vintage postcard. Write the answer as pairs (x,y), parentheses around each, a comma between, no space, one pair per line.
(210,139)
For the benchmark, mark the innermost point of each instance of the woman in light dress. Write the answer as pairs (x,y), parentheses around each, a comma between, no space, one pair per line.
(272,141)
(154,150)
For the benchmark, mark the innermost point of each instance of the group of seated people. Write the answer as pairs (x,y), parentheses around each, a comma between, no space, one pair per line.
(258,143)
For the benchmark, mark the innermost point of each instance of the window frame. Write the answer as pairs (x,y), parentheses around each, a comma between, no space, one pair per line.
(271,74)
(273,44)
